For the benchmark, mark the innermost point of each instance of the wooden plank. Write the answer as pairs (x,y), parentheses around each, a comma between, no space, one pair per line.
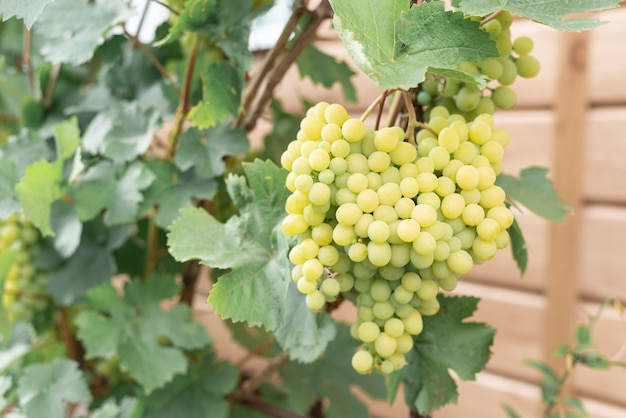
(571,108)
(603,255)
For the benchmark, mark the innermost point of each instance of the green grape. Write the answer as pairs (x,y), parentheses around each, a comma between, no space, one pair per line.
(378,231)
(527,66)
(319,159)
(335,113)
(330,287)
(503,97)
(353,130)
(509,72)
(523,45)
(467,98)
(386,139)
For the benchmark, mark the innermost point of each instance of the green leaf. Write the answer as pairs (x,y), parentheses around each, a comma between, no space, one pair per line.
(89,266)
(221,95)
(67,136)
(595,361)
(535,191)
(5,385)
(582,335)
(29,10)
(518,247)
(548,12)
(332,377)
(550,382)
(39,187)
(131,327)
(205,150)
(71,30)
(561,351)
(393,384)
(255,289)
(123,205)
(510,412)
(93,193)
(195,15)
(66,226)
(25,149)
(173,190)
(577,405)
(303,334)
(9,202)
(127,408)
(122,132)
(396,45)
(446,343)
(43,388)
(199,393)
(285,126)
(326,70)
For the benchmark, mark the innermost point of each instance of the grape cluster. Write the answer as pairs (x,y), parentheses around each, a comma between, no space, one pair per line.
(389,222)
(25,291)
(466,98)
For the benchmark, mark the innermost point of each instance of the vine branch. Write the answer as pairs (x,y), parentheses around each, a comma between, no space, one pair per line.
(322,12)
(167,6)
(52,80)
(27,65)
(256,402)
(248,386)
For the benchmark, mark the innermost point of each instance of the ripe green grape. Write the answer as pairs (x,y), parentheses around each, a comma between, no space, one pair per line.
(527,66)
(503,97)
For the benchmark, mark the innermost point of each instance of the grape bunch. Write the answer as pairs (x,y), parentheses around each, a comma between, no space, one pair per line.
(25,292)
(390,223)
(466,98)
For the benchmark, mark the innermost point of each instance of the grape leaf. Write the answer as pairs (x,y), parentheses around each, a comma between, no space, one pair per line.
(285,126)
(196,15)
(123,205)
(5,385)
(255,289)
(39,187)
(9,202)
(396,45)
(324,69)
(25,149)
(127,408)
(445,343)
(131,327)
(94,191)
(205,150)
(535,191)
(67,138)
(332,377)
(548,12)
(518,247)
(199,393)
(89,266)
(29,10)
(303,334)
(122,132)
(221,95)
(173,190)
(43,388)
(66,226)
(71,30)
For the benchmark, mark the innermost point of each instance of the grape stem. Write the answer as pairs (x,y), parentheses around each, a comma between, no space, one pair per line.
(422,125)
(379,101)
(27,65)
(410,130)
(491,17)
(256,402)
(167,6)
(52,80)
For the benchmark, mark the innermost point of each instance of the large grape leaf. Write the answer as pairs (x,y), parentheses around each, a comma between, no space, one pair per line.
(396,45)
(333,377)
(29,10)
(205,150)
(249,244)
(43,388)
(548,12)
(324,69)
(71,30)
(199,393)
(132,327)
(445,343)
(535,191)
(303,334)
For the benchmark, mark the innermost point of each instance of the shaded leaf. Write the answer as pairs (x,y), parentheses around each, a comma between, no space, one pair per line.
(324,69)
(446,343)
(582,335)
(66,226)
(535,191)
(29,10)
(123,205)
(127,408)
(9,201)
(518,247)
(595,360)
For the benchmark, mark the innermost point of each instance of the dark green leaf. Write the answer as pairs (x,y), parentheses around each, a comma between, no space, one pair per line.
(535,191)
(396,45)
(510,412)
(205,150)
(582,335)
(548,12)
(66,226)
(199,393)
(393,384)
(43,388)
(550,382)
(326,70)
(303,334)
(310,379)
(446,343)
(518,247)
(29,10)
(94,191)
(72,30)
(221,95)
(9,202)
(577,405)
(595,360)
(39,187)
(5,384)
(122,132)
(196,15)
(255,289)
(131,327)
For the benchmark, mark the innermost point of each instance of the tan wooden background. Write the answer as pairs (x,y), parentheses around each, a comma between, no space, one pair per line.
(571,118)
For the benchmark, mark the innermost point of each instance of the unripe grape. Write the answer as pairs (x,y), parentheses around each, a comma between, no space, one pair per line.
(523,45)
(527,66)
(503,97)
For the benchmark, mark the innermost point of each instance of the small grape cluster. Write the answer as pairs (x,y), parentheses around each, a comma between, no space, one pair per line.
(466,98)
(390,222)
(25,291)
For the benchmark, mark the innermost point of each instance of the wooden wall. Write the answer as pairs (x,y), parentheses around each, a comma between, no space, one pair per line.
(572,118)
